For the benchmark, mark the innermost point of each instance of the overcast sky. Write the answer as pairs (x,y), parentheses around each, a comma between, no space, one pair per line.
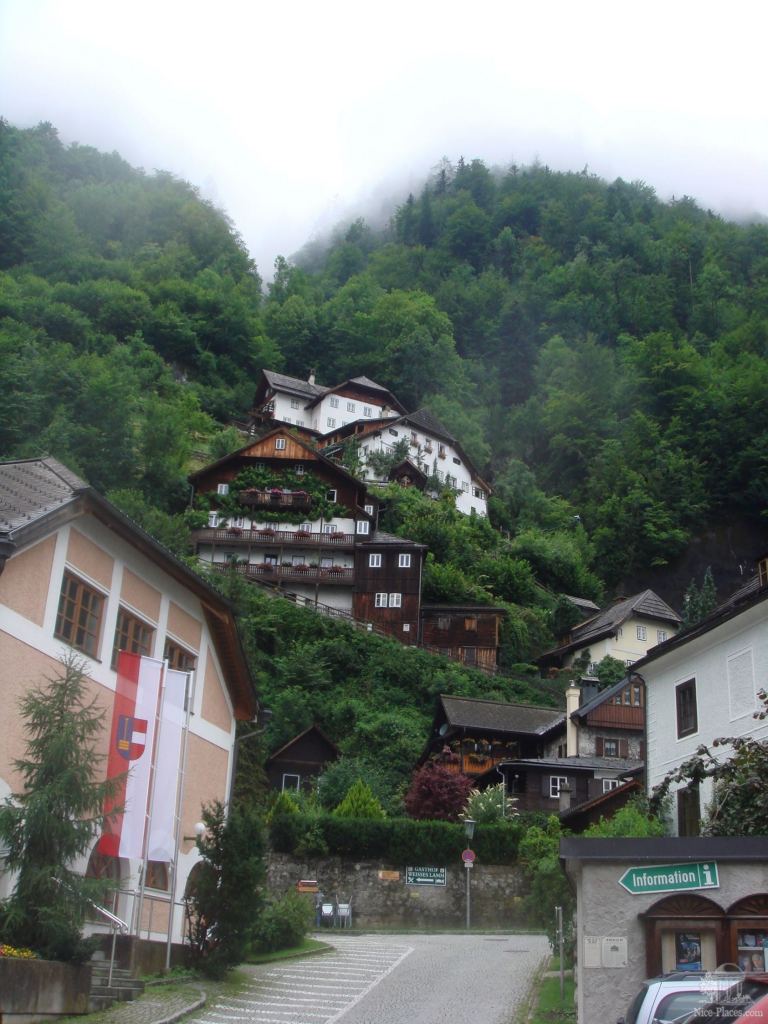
(292,116)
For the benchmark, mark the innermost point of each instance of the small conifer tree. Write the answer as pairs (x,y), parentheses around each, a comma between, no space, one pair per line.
(360,803)
(51,824)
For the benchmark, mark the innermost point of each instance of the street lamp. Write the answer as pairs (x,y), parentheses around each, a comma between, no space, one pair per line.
(468,857)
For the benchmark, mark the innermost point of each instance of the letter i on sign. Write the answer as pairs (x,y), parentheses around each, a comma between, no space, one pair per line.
(707,872)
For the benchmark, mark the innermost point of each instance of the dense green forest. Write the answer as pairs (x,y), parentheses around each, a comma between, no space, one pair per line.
(600,353)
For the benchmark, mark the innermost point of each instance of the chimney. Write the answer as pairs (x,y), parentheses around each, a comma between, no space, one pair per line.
(572,700)
(311,378)
(564,797)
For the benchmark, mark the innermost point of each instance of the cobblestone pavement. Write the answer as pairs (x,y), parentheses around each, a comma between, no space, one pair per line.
(318,990)
(398,979)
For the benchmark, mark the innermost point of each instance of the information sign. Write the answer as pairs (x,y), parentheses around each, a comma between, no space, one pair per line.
(671,878)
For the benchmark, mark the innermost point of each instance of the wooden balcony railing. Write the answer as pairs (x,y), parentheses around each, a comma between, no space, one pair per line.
(296,573)
(275,499)
(472,766)
(272,538)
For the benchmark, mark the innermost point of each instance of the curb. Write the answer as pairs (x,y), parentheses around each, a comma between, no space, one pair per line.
(173,1017)
(290,956)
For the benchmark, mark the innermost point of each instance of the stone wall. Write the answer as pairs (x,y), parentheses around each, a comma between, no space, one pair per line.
(381,898)
(36,990)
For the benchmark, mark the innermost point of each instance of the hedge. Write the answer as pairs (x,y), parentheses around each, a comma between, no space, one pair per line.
(397,840)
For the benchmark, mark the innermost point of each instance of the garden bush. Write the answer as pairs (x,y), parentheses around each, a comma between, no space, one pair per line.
(283,923)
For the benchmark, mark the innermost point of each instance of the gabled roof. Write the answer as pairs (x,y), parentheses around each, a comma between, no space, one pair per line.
(381,537)
(582,602)
(281,382)
(603,800)
(408,467)
(381,394)
(607,622)
(493,716)
(39,496)
(578,763)
(295,739)
(604,696)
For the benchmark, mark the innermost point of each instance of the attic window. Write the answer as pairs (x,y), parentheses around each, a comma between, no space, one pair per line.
(279,444)
(222,488)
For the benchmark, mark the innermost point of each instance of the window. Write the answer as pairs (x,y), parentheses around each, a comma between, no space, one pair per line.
(688,811)
(443,622)
(295,403)
(381,601)
(685,703)
(299,423)
(157,875)
(291,782)
(78,620)
(374,561)
(637,699)
(368,509)
(363,526)
(406,627)
(222,488)
(287,419)
(555,783)
(334,403)
(279,444)
(131,635)
(299,470)
(610,748)
(326,563)
(414,439)
(457,460)
(306,527)
(367,411)
(403,561)
(661,636)
(350,406)
(330,528)
(609,784)
(629,661)
(477,492)
(642,632)
(470,623)
(213,519)
(331,422)
(331,494)
(395,600)
(178,658)
(468,655)
(441,451)
(465,486)
(393,432)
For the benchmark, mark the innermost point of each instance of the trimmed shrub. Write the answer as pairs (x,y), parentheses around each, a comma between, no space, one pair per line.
(283,923)
(360,803)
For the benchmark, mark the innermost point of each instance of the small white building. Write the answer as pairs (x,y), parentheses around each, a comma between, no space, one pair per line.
(704,684)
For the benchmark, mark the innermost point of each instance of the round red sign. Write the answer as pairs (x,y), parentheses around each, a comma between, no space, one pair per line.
(468,856)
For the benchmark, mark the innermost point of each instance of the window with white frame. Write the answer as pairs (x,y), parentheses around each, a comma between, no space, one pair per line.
(331,422)
(641,632)
(350,406)
(279,444)
(661,636)
(406,627)
(395,600)
(213,519)
(222,488)
(556,782)
(299,423)
(465,485)
(477,492)
(287,419)
(363,526)
(403,561)
(306,527)
(295,403)
(381,600)
(298,470)
(374,560)
(334,402)
(330,528)
(367,410)
(368,509)
(609,784)
(331,494)
(326,563)
(610,748)
(291,782)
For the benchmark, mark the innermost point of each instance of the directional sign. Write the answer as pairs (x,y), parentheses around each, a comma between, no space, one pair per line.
(425,876)
(671,878)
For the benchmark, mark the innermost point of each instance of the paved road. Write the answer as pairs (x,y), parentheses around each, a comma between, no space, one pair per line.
(398,979)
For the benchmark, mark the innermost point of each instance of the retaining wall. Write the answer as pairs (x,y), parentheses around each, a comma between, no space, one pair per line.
(39,990)
(381,898)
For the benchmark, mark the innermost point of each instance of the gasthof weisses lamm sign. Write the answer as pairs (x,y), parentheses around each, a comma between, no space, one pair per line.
(425,876)
(671,878)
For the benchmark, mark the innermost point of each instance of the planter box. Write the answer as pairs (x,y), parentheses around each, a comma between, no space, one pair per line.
(33,990)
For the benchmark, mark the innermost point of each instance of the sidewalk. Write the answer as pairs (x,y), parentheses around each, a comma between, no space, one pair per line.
(160,1004)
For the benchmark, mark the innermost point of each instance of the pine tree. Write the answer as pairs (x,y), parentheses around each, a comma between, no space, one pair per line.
(360,803)
(52,823)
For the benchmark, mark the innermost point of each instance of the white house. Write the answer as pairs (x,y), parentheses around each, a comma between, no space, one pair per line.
(703,684)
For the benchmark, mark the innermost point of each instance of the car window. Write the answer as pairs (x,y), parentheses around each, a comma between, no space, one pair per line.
(630,1017)
(678,1005)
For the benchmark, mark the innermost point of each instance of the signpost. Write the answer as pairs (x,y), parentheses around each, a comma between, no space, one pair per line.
(425,876)
(671,878)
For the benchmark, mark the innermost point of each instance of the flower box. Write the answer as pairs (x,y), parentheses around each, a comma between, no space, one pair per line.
(267,532)
(302,534)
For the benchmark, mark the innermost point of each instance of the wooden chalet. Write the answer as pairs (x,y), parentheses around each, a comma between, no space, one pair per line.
(467,633)
(298,762)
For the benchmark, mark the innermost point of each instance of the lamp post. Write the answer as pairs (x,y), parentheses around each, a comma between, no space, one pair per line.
(468,857)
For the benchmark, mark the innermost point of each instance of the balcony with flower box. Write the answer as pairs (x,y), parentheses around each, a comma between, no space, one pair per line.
(270,572)
(275,497)
(268,535)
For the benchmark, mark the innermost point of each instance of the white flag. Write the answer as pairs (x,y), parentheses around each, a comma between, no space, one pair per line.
(162,827)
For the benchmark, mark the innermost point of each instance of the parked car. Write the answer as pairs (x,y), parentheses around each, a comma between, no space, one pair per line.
(673,997)
(748,1004)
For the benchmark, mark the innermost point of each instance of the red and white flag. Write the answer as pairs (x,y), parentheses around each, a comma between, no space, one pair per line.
(130,750)
(162,827)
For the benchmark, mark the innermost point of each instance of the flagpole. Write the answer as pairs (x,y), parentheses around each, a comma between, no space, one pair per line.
(189,702)
(151,801)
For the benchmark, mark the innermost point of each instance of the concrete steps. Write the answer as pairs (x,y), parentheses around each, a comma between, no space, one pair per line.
(124,987)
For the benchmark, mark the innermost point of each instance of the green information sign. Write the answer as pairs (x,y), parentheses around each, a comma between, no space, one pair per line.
(671,878)
(425,876)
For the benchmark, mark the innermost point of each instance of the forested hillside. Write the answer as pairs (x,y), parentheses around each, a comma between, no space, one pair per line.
(600,353)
